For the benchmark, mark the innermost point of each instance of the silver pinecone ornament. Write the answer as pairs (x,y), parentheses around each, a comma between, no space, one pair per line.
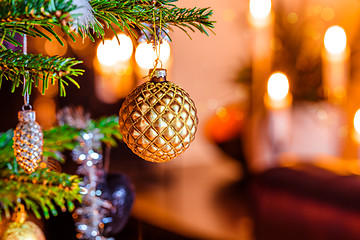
(28,141)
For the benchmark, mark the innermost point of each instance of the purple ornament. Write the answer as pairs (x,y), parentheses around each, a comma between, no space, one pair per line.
(120,192)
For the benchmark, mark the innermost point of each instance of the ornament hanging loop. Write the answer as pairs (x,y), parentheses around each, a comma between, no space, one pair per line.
(157,42)
(26,105)
(157,61)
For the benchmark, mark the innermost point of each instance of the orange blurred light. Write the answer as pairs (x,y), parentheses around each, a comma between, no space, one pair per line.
(260,9)
(145,54)
(278,86)
(335,40)
(357,121)
(109,52)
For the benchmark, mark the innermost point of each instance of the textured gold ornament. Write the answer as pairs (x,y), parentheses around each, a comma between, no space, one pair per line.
(23,231)
(28,141)
(158,119)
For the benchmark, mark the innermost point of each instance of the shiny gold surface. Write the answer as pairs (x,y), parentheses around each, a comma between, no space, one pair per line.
(158,121)
(28,141)
(23,231)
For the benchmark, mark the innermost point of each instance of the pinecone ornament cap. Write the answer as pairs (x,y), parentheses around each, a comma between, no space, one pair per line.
(158,119)
(26,116)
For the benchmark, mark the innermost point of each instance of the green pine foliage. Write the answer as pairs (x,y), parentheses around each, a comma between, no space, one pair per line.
(15,65)
(43,190)
(37,18)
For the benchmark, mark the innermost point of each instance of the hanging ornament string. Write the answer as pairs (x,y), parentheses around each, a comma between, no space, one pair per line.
(28,137)
(157,42)
(26,105)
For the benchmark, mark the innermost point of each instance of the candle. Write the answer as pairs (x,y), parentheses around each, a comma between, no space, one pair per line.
(114,78)
(260,11)
(335,64)
(145,56)
(278,101)
(356,131)
(261,19)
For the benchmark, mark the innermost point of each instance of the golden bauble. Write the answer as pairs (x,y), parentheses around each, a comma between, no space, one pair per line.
(28,141)
(23,231)
(158,119)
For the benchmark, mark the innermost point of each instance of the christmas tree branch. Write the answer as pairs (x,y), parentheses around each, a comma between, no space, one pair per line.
(109,127)
(38,18)
(183,18)
(21,11)
(61,138)
(43,190)
(17,16)
(38,70)
(130,14)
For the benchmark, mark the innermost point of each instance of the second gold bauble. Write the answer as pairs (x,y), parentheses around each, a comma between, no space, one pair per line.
(23,231)
(158,119)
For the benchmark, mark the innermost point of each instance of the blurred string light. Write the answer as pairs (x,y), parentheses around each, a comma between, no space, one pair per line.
(335,40)
(110,52)
(260,9)
(278,86)
(145,54)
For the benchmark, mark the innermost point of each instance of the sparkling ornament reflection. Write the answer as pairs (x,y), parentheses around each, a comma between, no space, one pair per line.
(158,119)
(23,231)
(28,141)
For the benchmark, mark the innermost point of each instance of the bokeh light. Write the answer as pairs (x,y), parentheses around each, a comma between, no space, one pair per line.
(125,49)
(335,40)
(145,54)
(110,52)
(260,9)
(53,47)
(278,86)
(357,121)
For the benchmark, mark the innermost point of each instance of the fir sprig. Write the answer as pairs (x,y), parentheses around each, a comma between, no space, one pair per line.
(43,190)
(109,127)
(37,18)
(38,70)
(183,18)
(18,16)
(34,18)
(40,191)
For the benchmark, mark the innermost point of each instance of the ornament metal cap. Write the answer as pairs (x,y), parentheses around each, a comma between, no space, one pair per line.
(26,116)
(158,75)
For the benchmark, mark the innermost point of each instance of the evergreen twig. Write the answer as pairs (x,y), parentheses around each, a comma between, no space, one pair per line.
(38,69)
(43,190)
(37,18)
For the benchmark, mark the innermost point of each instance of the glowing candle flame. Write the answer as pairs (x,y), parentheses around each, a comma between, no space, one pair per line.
(357,121)
(125,49)
(110,52)
(335,40)
(145,54)
(278,86)
(260,9)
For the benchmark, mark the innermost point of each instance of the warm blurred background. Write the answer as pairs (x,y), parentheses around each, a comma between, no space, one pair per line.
(277,151)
